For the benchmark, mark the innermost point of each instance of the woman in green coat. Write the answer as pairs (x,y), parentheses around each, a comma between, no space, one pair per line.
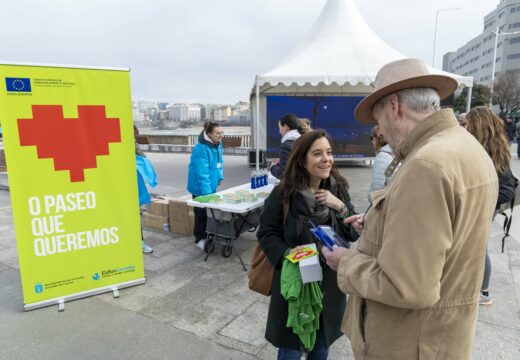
(313,189)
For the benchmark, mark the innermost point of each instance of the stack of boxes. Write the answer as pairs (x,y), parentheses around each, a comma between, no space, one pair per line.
(170,214)
(3,166)
(4,184)
(157,216)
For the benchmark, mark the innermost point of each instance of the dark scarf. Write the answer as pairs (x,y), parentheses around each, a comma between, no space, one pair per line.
(305,209)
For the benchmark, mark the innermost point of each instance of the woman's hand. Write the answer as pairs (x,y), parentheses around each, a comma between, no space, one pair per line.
(325,198)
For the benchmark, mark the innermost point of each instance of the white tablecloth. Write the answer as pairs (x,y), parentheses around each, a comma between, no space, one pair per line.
(240,208)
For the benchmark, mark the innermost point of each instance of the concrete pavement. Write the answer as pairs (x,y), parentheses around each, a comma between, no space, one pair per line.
(191,309)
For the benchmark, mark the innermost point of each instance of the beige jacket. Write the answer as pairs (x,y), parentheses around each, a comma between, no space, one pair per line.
(414,280)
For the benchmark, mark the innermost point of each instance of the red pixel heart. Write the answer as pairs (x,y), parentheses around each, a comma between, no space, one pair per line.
(74,144)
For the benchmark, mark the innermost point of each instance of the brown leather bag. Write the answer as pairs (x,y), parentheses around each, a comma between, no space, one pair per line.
(261,273)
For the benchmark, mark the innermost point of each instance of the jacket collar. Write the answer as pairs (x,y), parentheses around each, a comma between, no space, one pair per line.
(435,123)
(205,139)
(291,135)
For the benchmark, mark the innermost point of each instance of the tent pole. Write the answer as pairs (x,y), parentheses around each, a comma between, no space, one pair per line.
(257,95)
(468,100)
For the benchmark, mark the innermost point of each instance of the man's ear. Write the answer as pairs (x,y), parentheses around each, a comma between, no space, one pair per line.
(395,105)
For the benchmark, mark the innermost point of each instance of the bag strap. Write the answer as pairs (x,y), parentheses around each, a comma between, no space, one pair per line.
(507,222)
(508,219)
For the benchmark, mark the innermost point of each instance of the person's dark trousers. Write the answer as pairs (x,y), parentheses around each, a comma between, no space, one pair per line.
(518,147)
(320,351)
(199,227)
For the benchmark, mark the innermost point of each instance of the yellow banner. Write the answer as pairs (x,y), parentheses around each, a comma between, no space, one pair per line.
(69,145)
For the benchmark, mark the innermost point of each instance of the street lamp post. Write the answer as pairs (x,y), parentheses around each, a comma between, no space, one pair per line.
(435,33)
(494,63)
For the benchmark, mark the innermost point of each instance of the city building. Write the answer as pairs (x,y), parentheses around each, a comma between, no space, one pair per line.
(138,116)
(161,115)
(222,113)
(241,108)
(240,113)
(162,105)
(144,105)
(209,112)
(184,112)
(475,58)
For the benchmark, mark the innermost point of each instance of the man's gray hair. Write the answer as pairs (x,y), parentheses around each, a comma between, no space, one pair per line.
(420,100)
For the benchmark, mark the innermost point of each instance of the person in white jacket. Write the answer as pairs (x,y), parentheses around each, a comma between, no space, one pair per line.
(384,157)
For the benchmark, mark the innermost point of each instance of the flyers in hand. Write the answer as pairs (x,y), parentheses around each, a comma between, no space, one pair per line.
(328,237)
(301,254)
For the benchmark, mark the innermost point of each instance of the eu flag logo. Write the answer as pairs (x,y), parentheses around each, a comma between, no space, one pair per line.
(18,84)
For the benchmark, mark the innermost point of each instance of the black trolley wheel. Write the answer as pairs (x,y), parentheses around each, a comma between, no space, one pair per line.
(209,246)
(226,251)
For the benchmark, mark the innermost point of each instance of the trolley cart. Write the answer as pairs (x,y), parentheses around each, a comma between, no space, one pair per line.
(227,221)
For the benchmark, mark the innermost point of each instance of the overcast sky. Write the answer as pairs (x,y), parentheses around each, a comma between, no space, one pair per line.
(211,50)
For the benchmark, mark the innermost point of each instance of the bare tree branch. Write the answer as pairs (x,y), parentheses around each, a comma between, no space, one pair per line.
(506,93)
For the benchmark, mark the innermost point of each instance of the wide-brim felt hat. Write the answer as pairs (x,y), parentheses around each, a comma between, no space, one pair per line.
(399,75)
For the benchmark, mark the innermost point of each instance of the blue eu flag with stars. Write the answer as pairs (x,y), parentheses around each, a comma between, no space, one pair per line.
(18,84)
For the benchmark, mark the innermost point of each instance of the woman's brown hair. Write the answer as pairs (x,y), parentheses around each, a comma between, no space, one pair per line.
(305,125)
(296,177)
(488,129)
(381,141)
(209,126)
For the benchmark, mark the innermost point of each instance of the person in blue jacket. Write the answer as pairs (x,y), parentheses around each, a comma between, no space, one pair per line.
(206,172)
(145,175)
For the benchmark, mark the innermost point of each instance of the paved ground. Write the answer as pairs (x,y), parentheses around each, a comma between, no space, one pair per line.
(191,309)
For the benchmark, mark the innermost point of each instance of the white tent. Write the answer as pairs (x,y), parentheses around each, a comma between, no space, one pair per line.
(340,56)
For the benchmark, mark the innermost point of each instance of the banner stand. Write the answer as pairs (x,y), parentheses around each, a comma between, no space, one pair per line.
(69,144)
(61,300)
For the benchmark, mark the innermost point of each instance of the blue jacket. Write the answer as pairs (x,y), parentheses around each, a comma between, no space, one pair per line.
(145,174)
(206,167)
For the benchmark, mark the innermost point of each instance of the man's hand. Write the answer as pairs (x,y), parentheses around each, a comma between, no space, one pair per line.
(219,182)
(357,221)
(333,257)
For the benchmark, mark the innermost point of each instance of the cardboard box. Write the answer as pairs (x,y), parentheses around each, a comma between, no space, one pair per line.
(2,158)
(310,268)
(159,207)
(178,207)
(181,216)
(183,226)
(155,221)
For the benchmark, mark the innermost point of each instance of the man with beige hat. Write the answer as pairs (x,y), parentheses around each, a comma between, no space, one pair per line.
(413,281)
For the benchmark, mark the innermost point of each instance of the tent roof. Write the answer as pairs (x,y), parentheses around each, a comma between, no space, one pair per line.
(340,50)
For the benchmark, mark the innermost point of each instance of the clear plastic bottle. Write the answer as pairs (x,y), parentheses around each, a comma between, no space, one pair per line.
(266,176)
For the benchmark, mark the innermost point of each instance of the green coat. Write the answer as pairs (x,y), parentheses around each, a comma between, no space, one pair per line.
(274,244)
